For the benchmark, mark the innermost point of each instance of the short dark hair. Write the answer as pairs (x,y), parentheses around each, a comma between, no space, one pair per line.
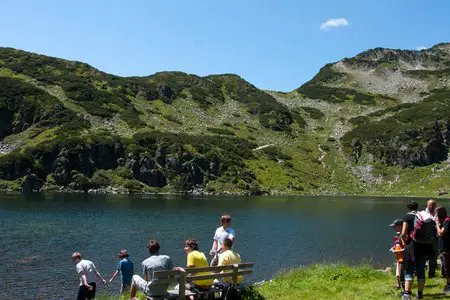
(123,253)
(413,205)
(153,247)
(225,218)
(191,243)
(228,243)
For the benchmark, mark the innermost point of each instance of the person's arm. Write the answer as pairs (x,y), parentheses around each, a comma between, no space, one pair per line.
(84,280)
(214,247)
(114,276)
(99,276)
(404,233)
(443,230)
(144,272)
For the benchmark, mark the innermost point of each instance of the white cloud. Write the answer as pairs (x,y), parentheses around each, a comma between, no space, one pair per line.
(334,23)
(421,48)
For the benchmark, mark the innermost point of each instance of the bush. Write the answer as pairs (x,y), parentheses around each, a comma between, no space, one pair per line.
(313,112)
(220,131)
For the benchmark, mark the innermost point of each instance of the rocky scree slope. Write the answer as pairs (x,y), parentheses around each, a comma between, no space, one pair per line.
(387,114)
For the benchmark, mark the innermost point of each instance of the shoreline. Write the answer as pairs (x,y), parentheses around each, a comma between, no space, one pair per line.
(109,191)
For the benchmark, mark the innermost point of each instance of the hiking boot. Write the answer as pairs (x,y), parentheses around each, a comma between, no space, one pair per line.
(419,295)
(406,296)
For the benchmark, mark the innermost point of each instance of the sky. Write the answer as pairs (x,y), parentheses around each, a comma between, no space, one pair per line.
(275,45)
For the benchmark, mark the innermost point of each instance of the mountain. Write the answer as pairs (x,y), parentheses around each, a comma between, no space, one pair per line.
(376,123)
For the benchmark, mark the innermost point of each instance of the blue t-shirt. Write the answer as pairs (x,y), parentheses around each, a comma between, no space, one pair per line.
(126,270)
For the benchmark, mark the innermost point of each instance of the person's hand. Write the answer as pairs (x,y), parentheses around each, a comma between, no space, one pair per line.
(212,252)
(110,280)
(90,287)
(104,282)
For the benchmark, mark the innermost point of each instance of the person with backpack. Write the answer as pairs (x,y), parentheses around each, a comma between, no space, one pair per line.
(418,232)
(442,224)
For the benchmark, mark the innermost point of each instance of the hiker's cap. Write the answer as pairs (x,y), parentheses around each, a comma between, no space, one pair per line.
(396,222)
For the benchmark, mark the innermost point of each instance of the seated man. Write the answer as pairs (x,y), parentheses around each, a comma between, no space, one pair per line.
(229,257)
(155,262)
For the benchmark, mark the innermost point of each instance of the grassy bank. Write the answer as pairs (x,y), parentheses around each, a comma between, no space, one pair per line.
(334,281)
(341,282)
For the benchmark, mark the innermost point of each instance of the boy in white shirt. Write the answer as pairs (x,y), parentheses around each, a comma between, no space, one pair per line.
(87,271)
(223,232)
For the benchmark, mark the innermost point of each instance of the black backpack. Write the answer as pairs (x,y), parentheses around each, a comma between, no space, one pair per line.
(424,231)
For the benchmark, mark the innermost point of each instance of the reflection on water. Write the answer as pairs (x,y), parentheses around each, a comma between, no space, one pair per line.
(40,232)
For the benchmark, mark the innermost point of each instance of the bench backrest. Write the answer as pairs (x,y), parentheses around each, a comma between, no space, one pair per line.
(191,274)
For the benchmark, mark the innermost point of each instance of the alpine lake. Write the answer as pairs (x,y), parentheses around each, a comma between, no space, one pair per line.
(39,233)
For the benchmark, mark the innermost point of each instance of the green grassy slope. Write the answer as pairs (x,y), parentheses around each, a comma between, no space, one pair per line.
(362,125)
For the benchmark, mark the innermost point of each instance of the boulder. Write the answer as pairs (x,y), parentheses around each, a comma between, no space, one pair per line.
(32,183)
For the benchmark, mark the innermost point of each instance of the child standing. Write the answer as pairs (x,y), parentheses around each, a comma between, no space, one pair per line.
(126,270)
(398,249)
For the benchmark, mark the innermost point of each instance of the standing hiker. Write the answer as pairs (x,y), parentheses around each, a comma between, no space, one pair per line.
(418,231)
(432,261)
(87,272)
(223,232)
(442,224)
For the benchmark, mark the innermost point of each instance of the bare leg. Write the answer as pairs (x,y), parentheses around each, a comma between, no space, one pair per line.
(408,286)
(133,291)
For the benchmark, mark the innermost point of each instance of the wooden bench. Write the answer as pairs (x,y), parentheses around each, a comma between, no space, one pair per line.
(192,274)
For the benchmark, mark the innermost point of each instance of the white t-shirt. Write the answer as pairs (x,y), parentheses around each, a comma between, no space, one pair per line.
(88,267)
(222,234)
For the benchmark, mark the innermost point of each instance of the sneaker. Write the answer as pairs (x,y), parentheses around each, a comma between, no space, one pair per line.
(406,296)
(419,295)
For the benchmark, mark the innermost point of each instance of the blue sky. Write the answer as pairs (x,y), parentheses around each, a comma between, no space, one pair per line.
(274,45)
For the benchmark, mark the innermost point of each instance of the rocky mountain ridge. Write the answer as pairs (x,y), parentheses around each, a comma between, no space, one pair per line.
(374,123)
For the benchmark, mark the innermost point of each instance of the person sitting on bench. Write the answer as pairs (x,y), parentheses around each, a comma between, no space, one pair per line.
(155,262)
(229,257)
(196,259)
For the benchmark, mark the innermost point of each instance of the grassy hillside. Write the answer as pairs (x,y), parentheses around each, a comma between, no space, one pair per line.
(375,123)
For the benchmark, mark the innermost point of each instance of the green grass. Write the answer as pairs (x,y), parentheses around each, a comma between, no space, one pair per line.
(340,281)
(331,281)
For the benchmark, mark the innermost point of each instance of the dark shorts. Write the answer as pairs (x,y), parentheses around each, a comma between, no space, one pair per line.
(445,260)
(84,293)
(416,262)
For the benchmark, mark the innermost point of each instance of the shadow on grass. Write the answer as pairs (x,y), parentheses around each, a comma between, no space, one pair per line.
(431,285)
(435,296)
(250,293)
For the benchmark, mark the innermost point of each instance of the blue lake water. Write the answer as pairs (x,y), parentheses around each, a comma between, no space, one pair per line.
(40,232)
